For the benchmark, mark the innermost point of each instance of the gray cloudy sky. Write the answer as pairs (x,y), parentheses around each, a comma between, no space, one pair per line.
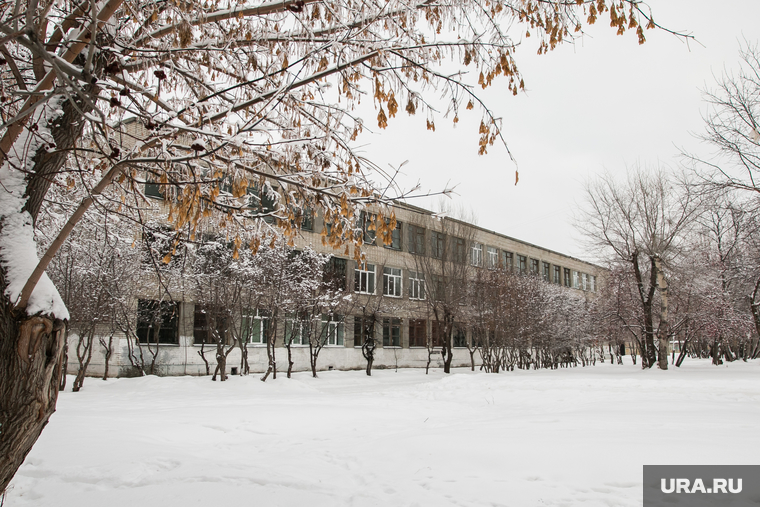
(603,103)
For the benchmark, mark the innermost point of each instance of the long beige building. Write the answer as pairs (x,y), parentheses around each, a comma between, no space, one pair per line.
(391,280)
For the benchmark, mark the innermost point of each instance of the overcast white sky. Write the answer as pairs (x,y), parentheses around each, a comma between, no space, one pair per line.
(603,103)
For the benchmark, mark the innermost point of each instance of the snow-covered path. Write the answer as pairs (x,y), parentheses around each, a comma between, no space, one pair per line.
(568,437)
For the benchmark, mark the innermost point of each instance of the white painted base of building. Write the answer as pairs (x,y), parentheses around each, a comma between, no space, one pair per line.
(185,359)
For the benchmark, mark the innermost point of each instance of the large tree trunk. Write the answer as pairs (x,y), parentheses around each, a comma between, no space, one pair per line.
(32,348)
(31,353)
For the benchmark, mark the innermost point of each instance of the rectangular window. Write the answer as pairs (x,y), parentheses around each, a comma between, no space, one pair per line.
(438,289)
(437,334)
(417,333)
(584,278)
(416,239)
(296,330)
(567,277)
(335,272)
(364,330)
(546,271)
(364,278)
(509,260)
(534,266)
(332,329)
(460,250)
(307,219)
(254,327)
(576,280)
(593,283)
(209,324)
(522,264)
(392,282)
(460,338)
(391,332)
(416,285)
(557,274)
(476,254)
(157,321)
(493,257)
(153,189)
(437,244)
(367,227)
(395,237)
(262,201)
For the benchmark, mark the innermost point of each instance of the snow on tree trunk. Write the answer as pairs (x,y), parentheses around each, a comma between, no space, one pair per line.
(31,338)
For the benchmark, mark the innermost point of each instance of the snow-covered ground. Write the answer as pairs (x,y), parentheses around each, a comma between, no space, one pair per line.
(568,437)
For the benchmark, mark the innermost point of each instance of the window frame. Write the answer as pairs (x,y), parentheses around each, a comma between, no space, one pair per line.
(395,280)
(396,236)
(492,255)
(509,260)
(222,326)
(337,269)
(522,264)
(304,330)
(459,246)
(364,278)
(165,309)
(248,319)
(417,286)
(366,223)
(416,244)
(437,244)
(364,327)
(476,254)
(458,337)
(391,324)
(419,325)
(336,328)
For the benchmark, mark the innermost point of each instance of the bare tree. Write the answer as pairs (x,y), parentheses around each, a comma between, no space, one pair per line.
(447,260)
(640,223)
(732,125)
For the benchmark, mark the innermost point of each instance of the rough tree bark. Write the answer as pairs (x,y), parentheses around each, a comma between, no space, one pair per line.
(31,354)
(663,331)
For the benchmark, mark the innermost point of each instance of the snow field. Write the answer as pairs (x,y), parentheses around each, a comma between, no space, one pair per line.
(567,437)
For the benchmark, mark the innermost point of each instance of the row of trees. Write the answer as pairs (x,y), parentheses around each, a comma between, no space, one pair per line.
(684,246)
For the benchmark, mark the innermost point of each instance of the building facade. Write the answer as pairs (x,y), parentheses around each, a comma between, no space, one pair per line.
(393,287)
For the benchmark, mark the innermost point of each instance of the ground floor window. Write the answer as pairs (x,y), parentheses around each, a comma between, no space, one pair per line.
(391,332)
(438,335)
(332,329)
(157,321)
(296,330)
(254,327)
(364,330)
(209,324)
(417,333)
(460,337)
